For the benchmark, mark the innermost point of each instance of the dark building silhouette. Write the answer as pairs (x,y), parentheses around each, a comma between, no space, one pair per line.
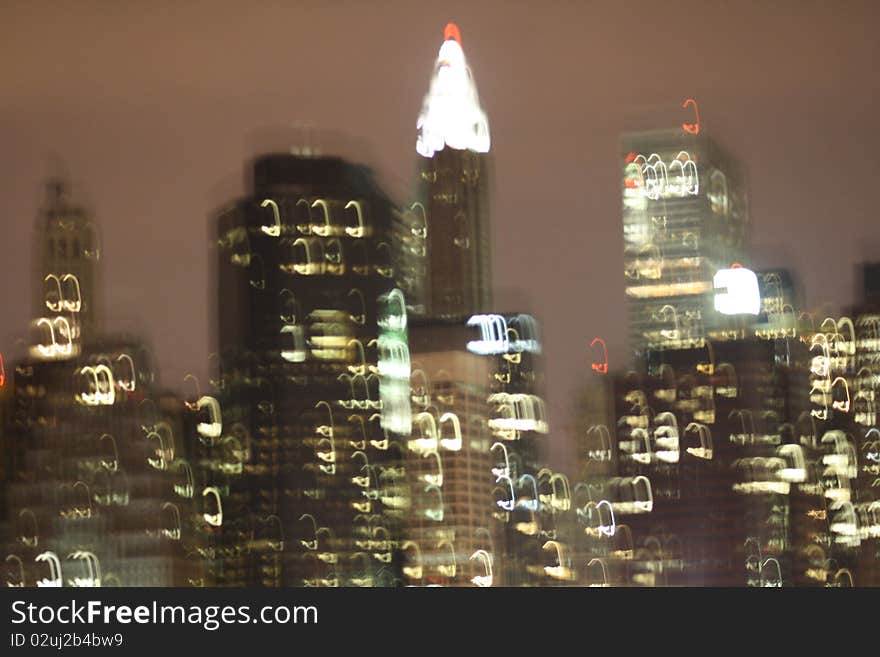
(312,356)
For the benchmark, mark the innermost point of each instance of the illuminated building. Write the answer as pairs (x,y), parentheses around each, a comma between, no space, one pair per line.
(477,417)
(474,458)
(596,536)
(535,501)
(313,380)
(91,499)
(690,304)
(710,421)
(442,241)
(864,435)
(684,219)
(867,321)
(66,254)
(757,446)
(707,422)
(448,458)
(99,477)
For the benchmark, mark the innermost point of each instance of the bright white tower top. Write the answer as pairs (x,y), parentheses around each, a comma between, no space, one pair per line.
(451,114)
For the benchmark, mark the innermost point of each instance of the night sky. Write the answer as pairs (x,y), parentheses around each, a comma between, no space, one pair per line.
(151,108)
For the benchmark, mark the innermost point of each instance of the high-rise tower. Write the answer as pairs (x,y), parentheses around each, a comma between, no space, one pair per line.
(66,262)
(312,344)
(477,420)
(93,447)
(684,218)
(445,262)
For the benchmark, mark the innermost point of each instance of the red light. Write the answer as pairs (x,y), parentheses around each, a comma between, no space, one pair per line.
(692,128)
(451,32)
(630,157)
(601,368)
(2,372)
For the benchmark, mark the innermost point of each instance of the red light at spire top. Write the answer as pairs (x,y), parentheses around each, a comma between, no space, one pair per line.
(451,32)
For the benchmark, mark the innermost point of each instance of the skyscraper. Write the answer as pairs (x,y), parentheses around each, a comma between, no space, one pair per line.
(684,218)
(66,255)
(312,352)
(91,447)
(445,259)
(478,420)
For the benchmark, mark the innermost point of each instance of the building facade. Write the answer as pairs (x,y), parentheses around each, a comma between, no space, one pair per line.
(312,355)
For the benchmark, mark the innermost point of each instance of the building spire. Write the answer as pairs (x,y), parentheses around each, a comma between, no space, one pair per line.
(451,32)
(57,193)
(451,114)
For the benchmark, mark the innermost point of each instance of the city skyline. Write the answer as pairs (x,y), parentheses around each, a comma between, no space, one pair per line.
(152,155)
(370,403)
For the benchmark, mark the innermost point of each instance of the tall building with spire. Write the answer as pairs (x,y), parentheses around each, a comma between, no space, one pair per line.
(443,242)
(477,486)
(67,251)
(92,448)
